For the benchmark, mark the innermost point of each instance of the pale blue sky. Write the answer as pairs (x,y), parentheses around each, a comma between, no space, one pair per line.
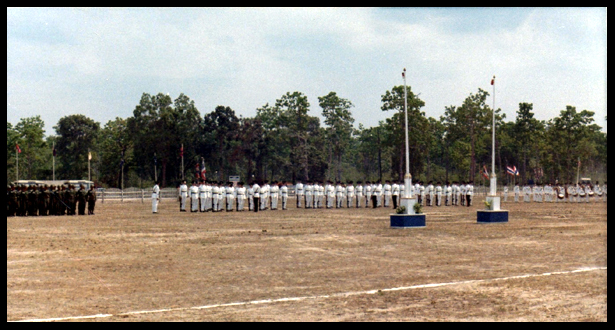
(99,61)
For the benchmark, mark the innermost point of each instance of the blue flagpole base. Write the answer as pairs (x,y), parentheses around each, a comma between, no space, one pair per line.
(407,220)
(491,216)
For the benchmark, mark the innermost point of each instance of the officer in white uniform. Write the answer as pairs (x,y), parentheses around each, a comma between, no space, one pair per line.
(215,196)
(379,194)
(456,193)
(388,193)
(527,191)
(395,194)
(321,195)
(202,196)
(194,197)
(309,191)
(183,195)
(367,191)
(250,191)
(241,197)
(469,193)
(275,195)
(438,194)
(597,192)
(505,193)
(516,191)
(284,193)
(155,197)
(339,195)
(230,197)
(548,192)
(299,192)
(257,196)
(449,194)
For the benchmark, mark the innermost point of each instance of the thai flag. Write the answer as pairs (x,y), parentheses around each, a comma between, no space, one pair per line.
(512,170)
(203,170)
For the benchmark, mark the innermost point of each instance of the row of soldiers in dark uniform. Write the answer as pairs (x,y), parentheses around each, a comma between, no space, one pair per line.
(43,200)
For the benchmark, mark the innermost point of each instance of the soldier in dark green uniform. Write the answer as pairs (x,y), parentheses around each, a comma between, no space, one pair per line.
(33,201)
(81,199)
(13,199)
(91,198)
(64,198)
(45,206)
(72,200)
(22,202)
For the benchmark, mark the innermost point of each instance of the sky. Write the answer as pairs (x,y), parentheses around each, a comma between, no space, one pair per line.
(99,61)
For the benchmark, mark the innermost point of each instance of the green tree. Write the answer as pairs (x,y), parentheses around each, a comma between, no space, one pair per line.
(78,135)
(339,120)
(115,142)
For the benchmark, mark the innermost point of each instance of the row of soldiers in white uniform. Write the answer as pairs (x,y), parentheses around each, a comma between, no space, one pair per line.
(314,195)
(572,193)
(208,196)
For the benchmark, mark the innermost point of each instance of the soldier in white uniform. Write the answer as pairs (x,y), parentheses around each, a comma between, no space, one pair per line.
(449,193)
(516,191)
(367,191)
(321,195)
(505,193)
(597,192)
(589,192)
(527,191)
(469,193)
(215,196)
(339,195)
(208,196)
(349,194)
(309,191)
(275,191)
(194,197)
(378,192)
(572,191)
(538,193)
(241,196)
(561,193)
(438,194)
(299,192)
(395,194)
(202,196)
(284,193)
(257,196)
(230,197)
(183,195)
(388,193)
(330,192)
(250,192)
(581,193)
(358,189)
(155,197)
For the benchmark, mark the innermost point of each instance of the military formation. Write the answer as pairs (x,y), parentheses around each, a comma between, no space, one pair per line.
(48,200)
(557,193)
(206,196)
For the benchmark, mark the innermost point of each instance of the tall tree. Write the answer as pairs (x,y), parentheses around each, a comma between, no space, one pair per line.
(115,141)
(417,126)
(77,135)
(220,132)
(294,116)
(339,120)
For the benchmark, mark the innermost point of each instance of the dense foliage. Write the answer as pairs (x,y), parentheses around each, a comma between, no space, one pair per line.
(287,141)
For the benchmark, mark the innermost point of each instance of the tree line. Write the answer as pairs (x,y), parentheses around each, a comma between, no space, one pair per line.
(285,141)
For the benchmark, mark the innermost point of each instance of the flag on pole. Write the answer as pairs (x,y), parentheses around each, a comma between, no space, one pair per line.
(512,170)
(17,147)
(485,173)
(181,151)
(203,170)
(89,156)
(493,80)
(198,171)
(403,74)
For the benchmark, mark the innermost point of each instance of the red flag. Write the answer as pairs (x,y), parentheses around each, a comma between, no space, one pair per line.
(403,74)
(203,170)
(485,173)
(17,147)
(198,172)
(181,151)
(493,80)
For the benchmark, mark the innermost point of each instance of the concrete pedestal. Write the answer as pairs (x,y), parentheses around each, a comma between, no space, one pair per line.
(489,216)
(407,220)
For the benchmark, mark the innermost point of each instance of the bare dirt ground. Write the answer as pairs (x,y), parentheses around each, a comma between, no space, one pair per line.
(126,264)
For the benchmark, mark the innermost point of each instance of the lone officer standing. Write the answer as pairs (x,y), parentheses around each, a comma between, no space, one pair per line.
(91,198)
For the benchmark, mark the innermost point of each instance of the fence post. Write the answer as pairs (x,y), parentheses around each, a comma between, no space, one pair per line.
(142,196)
(122,194)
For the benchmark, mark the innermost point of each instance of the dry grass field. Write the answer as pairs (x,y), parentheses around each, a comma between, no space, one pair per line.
(548,263)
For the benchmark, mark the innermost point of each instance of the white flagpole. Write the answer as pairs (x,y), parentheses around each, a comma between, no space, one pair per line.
(54,161)
(407,177)
(493,181)
(17,156)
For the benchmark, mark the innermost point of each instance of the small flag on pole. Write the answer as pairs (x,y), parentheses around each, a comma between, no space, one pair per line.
(512,170)
(198,171)
(485,173)
(17,147)
(181,151)
(89,156)
(203,170)
(493,80)
(403,74)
